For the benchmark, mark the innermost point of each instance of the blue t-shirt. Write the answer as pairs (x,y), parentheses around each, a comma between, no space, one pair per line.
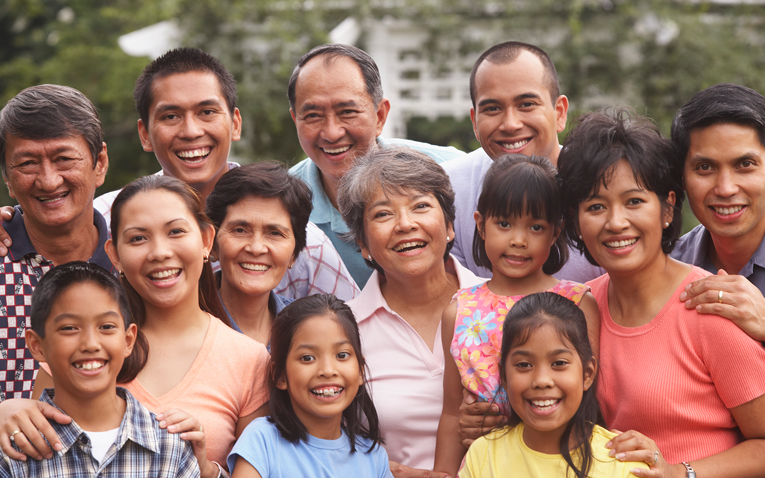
(262,446)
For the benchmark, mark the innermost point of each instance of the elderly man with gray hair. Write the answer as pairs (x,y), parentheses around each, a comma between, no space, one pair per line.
(53,158)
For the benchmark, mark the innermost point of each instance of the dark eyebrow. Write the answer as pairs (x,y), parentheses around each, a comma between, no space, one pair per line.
(527,96)
(315,347)
(66,315)
(162,108)
(747,155)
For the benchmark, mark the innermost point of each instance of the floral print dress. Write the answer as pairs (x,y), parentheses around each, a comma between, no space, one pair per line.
(477,340)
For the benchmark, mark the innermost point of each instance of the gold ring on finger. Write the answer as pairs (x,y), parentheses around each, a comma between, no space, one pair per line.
(719,297)
(13,435)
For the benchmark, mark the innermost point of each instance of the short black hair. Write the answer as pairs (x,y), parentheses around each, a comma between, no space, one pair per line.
(360,418)
(331,51)
(515,185)
(508,52)
(181,60)
(723,103)
(57,280)
(48,112)
(594,148)
(267,179)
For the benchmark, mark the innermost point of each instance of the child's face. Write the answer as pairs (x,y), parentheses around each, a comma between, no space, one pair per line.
(322,375)
(85,341)
(517,246)
(545,381)
(160,249)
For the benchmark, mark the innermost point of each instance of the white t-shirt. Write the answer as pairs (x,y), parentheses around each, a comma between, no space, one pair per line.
(100,442)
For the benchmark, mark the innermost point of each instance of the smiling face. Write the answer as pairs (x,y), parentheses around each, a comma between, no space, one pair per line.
(545,381)
(516,246)
(622,224)
(335,117)
(190,128)
(255,245)
(85,342)
(322,375)
(54,180)
(405,234)
(724,177)
(160,249)
(513,110)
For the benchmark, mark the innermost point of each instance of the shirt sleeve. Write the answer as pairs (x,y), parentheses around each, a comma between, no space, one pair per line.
(254,445)
(735,361)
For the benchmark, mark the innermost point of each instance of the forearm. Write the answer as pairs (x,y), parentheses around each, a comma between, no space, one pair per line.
(449,450)
(745,460)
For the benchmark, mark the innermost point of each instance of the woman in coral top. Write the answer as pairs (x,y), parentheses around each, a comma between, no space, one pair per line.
(692,383)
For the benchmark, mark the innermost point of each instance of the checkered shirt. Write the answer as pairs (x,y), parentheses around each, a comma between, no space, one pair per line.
(19,272)
(142,449)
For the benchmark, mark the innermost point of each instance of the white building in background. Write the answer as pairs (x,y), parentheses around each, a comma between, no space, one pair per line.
(410,82)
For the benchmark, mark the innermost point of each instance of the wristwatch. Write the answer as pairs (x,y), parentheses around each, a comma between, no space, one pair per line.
(689,472)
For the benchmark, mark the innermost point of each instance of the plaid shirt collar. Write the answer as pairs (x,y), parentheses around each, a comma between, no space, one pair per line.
(22,244)
(137,425)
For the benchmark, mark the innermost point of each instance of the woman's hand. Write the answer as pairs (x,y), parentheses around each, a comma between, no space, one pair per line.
(27,421)
(477,418)
(634,446)
(401,471)
(176,420)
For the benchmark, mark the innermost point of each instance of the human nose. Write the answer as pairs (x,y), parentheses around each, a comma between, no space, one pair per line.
(542,378)
(327,366)
(511,121)
(405,223)
(190,128)
(333,129)
(48,179)
(725,186)
(518,238)
(617,220)
(256,245)
(89,340)
(160,251)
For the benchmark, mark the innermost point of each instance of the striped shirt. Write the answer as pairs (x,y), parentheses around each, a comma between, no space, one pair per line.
(141,449)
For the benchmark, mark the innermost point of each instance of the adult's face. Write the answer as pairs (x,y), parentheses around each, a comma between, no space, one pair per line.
(724,177)
(255,245)
(190,128)
(513,110)
(622,224)
(54,179)
(405,234)
(335,117)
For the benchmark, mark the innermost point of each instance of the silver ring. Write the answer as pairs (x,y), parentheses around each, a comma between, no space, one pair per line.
(14,434)
(655,458)
(719,297)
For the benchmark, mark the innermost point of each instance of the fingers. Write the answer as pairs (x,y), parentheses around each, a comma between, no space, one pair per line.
(178,421)
(30,419)
(6,214)
(54,413)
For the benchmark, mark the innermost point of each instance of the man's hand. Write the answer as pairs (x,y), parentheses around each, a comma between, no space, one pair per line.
(742,302)
(401,471)
(6,214)
(477,418)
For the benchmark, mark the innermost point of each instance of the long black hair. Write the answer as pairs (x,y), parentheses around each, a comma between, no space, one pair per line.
(547,308)
(285,327)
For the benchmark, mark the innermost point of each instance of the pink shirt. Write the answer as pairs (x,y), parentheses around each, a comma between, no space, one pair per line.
(675,378)
(226,381)
(405,375)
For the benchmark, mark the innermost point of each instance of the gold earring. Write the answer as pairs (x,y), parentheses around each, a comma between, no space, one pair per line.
(205,259)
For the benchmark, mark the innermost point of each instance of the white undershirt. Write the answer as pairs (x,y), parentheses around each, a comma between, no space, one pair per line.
(101,442)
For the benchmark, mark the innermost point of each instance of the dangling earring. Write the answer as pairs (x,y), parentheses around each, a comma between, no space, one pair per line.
(122,274)
(205,259)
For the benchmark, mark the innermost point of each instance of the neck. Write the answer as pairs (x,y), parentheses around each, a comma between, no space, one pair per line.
(513,286)
(75,241)
(330,188)
(94,414)
(732,253)
(636,297)
(417,294)
(554,154)
(171,321)
(250,312)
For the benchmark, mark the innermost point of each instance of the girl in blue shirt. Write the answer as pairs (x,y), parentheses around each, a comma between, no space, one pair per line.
(323,422)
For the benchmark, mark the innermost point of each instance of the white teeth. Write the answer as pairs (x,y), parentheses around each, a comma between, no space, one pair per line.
(543,404)
(725,211)
(336,150)
(51,199)
(619,244)
(194,153)
(408,245)
(165,274)
(93,365)
(254,267)
(327,392)
(515,145)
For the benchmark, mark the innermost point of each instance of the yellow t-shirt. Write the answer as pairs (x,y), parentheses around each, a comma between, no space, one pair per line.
(503,453)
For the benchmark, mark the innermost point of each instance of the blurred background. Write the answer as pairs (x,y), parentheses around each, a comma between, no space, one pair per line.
(652,55)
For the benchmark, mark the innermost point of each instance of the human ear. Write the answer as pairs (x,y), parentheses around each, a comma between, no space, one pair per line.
(364,251)
(143,133)
(208,238)
(475,126)
(236,131)
(479,224)
(131,334)
(281,384)
(590,370)
(111,251)
(561,113)
(382,115)
(102,165)
(669,209)
(34,344)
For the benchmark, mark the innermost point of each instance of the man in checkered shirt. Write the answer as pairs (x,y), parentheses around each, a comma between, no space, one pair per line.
(52,158)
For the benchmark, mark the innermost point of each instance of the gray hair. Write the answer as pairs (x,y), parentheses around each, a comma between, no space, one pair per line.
(331,51)
(398,171)
(50,112)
